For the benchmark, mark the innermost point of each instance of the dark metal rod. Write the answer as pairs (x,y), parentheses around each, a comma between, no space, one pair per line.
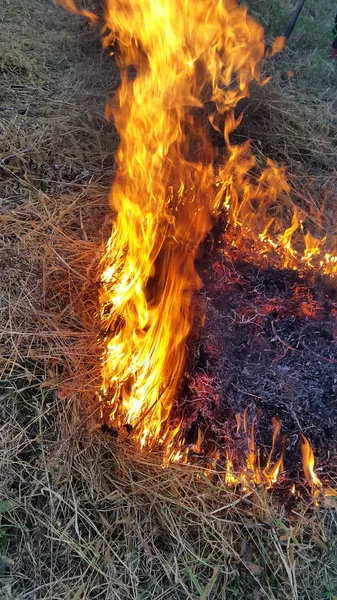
(294,18)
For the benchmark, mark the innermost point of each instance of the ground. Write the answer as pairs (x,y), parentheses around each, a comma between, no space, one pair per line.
(82,516)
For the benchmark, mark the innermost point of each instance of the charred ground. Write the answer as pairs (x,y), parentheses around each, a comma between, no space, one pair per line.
(268,345)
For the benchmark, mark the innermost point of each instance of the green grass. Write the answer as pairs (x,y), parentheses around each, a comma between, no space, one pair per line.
(308,47)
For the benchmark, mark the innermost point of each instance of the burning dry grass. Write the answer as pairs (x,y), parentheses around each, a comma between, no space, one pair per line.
(81,515)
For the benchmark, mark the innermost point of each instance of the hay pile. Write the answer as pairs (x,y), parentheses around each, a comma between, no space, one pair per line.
(81,515)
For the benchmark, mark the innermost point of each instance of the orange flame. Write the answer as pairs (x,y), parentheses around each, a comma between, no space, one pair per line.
(166,190)
(252,473)
(309,464)
(273,472)
(194,62)
(230,477)
(71,7)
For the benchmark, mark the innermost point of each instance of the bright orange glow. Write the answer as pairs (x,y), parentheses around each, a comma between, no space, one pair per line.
(277,428)
(252,473)
(198,442)
(273,472)
(309,464)
(193,62)
(230,477)
(184,67)
(71,7)
(251,454)
(167,189)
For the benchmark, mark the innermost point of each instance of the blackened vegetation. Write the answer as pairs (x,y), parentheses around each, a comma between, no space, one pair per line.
(268,345)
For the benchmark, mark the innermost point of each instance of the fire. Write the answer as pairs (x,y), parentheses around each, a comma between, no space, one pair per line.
(184,68)
(193,63)
(252,472)
(309,464)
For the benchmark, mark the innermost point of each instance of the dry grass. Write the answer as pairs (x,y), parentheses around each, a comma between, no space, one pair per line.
(82,517)
(93,520)
(55,82)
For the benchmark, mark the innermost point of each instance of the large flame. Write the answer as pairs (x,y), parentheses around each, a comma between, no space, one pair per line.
(184,67)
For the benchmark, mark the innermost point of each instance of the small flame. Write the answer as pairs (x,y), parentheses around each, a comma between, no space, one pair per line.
(70,6)
(309,464)
(252,473)
(230,477)
(277,428)
(273,472)
(251,456)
